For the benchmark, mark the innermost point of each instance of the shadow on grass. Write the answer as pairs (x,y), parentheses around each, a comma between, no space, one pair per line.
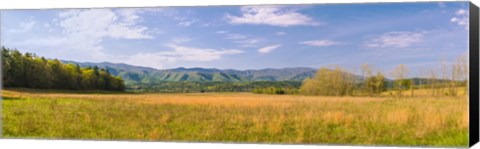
(12,98)
(28,90)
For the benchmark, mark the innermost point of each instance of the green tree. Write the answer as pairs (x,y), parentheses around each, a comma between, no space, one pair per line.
(375,84)
(328,82)
(31,71)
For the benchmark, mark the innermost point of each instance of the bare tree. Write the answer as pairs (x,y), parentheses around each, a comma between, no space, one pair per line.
(400,74)
(411,84)
(433,82)
(463,64)
(343,82)
(444,81)
(368,82)
(421,81)
(367,70)
(379,83)
(456,75)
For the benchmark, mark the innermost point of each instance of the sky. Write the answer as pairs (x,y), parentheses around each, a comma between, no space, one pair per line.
(383,35)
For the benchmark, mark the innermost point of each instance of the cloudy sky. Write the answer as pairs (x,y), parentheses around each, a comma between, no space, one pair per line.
(419,35)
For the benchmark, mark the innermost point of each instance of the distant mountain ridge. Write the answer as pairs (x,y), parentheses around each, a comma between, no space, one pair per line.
(146,75)
(138,74)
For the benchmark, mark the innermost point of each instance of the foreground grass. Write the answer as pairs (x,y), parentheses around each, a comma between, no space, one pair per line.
(237,117)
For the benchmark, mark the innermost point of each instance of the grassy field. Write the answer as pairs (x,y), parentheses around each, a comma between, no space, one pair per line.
(236,117)
(426,92)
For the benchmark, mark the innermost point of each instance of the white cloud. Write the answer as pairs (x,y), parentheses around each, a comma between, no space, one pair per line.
(183,18)
(221,32)
(153,60)
(129,15)
(461,12)
(235,36)
(155,30)
(187,18)
(120,31)
(320,43)
(243,40)
(461,18)
(81,32)
(187,23)
(248,42)
(269,49)
(280,33)
(181,40)
(47,27)
(395,39)
(68,13)
(101,23)
(179,54)
(24,27)
(199,54)
(270,15)
(211,24)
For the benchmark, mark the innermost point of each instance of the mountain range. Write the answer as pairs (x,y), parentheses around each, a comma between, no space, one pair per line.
(137,74)
(146,75)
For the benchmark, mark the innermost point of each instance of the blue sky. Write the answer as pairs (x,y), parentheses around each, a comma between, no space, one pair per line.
(419,35)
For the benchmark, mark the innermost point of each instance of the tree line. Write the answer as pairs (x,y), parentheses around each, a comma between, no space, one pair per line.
(327,82)
(276,90)
(446,81)
(202,87)
(31,71)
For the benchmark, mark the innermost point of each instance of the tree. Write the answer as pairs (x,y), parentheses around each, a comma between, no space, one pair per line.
(463,64)
(18,69)
(368,83)
(376,84)
(444,78)
(42,77)
(73,76)
(88,78)
(433,82)
(373,84)
(400,73)
(308,87)
(456,71)
(59,75)
(31,71)
(409,83)
(328,82)
(8,63)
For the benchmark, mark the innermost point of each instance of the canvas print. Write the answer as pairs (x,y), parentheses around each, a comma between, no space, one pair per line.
(392,74)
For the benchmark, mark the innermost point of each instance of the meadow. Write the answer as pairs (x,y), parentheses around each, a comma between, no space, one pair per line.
(236,117)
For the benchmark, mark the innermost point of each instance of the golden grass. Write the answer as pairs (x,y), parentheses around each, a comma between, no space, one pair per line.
(427,92)
(238,117)
(398,117)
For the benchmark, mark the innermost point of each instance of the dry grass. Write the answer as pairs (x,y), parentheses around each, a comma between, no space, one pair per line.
(237,117)
(427,92)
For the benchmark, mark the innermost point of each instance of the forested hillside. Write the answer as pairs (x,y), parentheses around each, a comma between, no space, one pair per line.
(31,71)
(185,80)
(137,74)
